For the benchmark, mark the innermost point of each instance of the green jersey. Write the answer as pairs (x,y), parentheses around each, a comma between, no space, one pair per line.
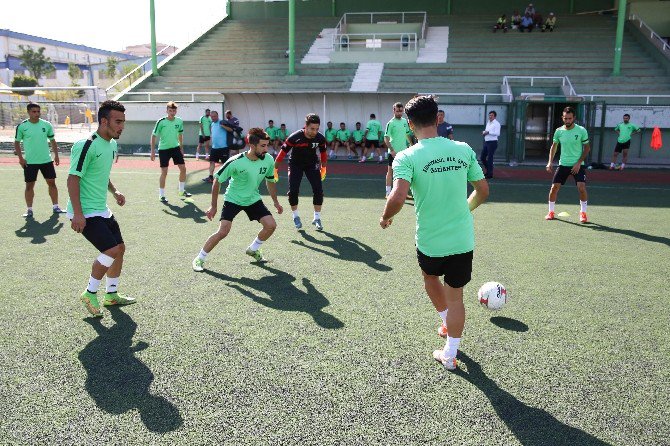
(168,132)
(374,128)
(625,131)
(35,138)
(91,160)
(343,135)
(397,131)
(206,124)
(245,178)
(330,135)
(272,132)
(282,134)
(572,142)
(438,171)
(358,135)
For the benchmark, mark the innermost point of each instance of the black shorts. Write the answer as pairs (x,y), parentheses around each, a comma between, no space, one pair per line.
(254,211)
(202,139)
(456,268)
(622,146)
(219,155)
(371,143)
(30,171)
(563,172)
(103,233)
(390,159)
(173,154)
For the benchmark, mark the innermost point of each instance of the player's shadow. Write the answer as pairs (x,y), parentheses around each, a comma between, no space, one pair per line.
(187,211)
(345,248)
(629,232)
(279,292)
(118,381)
(531,426)
(509,324)
(39,231)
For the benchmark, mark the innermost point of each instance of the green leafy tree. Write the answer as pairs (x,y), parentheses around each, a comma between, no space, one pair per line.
(125,69)
(112,63)
(35,61)
(21,80)
(75,74)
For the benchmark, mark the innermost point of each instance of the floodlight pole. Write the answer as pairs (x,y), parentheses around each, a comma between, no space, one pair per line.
(291,36)
(152,19)
(621,20)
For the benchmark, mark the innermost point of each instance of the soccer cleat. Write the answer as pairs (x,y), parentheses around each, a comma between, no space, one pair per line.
(58,210)
(448,363)
(257,255)
(442,331)
(117,299)
(297,222)
(611,167)
(197,155)
(583,218)
(550,216)
(184,194)
(208,180)
(198,264)
(162,199)
(317,224)
(28,214)
(90,301)
(362,160)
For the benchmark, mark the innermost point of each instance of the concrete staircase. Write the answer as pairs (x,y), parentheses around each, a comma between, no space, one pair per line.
(437,43)
(320,50)
(367,77)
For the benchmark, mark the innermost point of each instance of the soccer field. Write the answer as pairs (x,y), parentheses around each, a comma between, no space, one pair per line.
(331,342)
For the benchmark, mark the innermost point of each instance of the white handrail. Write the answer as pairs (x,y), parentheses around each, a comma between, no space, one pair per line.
(483,95)
(173,93)
(337,42)
(137,68)
(564,79)
(652,34)
(646,96)
(343,20)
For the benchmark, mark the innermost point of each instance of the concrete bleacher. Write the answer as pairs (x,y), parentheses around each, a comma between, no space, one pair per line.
(581,48)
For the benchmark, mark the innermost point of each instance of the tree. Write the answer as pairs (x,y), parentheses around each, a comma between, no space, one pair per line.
(75,74)
(112,63)
(125,69)
(35,61)
(21,80)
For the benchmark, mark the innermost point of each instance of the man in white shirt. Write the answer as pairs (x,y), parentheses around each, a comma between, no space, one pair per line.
(491,134)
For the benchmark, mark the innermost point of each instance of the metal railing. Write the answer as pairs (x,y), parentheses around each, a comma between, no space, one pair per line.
(375,41)
(565,80)
(484,96)
(139,67)
(404,18)
(657,40)
(647,97)
(172,94)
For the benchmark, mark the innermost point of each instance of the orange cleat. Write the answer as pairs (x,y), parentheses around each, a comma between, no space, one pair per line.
(550,216)
(583,218)
(448,363)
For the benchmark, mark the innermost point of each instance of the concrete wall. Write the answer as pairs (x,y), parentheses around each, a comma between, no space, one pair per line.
(656,14)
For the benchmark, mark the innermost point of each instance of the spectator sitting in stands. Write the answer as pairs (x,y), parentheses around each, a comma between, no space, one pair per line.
(501,24)
(526,23)
(516,19)
(549,23)
(537,20)
(530,9)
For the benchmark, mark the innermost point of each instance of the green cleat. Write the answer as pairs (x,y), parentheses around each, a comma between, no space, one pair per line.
(198,264)
(117,299)
(90,301)
(183,195)
(257,255)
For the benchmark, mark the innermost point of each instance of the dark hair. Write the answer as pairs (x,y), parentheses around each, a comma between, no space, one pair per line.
(108,106)
(32,105)
(398,104)
(494,113)
(256,135)
(440,111)
(329,123)
(312,118)
(283,124)
(372,115)
(271,121)
(207,110)
(422,111)
(626,114)
(569,110)
(342,123)
(358,123)
(172,104)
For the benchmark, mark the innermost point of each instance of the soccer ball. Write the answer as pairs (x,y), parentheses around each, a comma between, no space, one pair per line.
(492,295)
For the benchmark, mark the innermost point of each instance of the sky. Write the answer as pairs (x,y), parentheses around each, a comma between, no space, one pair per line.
(178,22)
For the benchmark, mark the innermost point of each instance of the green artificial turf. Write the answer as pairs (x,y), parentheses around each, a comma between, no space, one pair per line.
(331,342)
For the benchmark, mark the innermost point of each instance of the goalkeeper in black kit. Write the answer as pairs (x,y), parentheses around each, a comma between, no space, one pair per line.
(304,144)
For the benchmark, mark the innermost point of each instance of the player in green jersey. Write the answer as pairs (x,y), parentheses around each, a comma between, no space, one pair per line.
(282,134)
(373,130)
(438,171)
(574,141)
(204,134)
(36,135)
(170,131)
(358,140)
(625,130)
(397,138)
(246,172)
(272,131)
(330,135)
(88,183)
(343,138)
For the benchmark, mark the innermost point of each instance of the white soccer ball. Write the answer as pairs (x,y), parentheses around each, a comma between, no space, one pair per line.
(492,295)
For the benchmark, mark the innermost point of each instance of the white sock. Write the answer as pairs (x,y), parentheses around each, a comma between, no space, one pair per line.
(161,192)
(295,213)
(552,205)
(56,206)
(443,315)
(582,205)
(182,186)
(256,244)
(451,347)
(388,189)
(112,284)
(30,208)
(203,255)
(381,158)
(611,164)
(93,285)
(623,165)
(317,215)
